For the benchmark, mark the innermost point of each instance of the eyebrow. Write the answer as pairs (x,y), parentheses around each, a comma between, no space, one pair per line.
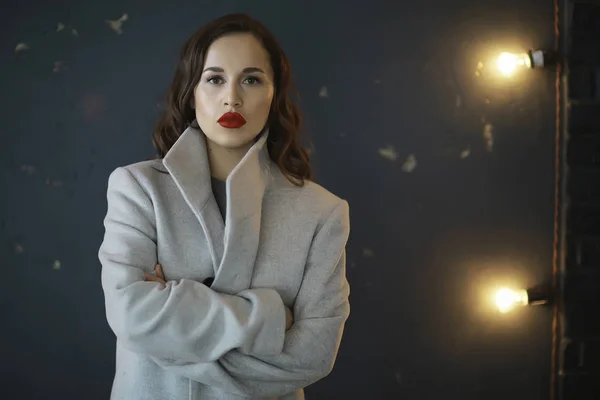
(246,70)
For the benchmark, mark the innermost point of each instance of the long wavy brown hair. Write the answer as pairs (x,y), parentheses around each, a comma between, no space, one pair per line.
(284,119)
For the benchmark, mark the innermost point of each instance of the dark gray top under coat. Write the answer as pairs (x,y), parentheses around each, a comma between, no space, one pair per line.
(219,189)
(220,193)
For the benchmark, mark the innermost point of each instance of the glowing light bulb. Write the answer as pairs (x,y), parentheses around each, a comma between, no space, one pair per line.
(508,63)
(507,299)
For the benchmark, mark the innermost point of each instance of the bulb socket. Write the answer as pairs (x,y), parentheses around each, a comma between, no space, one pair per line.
(542,58)
(539,295)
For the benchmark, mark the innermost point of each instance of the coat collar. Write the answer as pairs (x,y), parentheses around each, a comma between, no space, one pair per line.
(187,162)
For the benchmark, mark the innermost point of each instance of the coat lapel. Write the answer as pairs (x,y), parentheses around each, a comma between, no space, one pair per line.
(233,244)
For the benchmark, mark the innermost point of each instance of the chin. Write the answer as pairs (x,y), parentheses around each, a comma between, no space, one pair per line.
(232,139)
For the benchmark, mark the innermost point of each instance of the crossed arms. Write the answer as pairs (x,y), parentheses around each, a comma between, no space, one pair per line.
(237,343)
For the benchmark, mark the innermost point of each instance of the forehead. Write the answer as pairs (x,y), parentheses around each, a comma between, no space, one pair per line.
(237,51)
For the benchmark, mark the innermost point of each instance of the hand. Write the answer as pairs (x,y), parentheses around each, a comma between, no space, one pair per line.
(289,318)
(158,277)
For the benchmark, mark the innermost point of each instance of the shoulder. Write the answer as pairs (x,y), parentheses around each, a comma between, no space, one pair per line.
(310,200)
(130,187)
(148,168)
(321,197)
(143,172)
(333,210)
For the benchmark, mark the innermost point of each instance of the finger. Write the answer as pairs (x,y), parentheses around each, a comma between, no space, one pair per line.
(149,277)
(160,272)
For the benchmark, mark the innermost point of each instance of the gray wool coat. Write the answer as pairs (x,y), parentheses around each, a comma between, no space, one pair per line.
(280,245)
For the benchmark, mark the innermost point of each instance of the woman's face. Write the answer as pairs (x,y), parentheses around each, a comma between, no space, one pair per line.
(237,78)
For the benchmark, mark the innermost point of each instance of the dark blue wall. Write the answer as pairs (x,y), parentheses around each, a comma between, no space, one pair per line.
(426,247)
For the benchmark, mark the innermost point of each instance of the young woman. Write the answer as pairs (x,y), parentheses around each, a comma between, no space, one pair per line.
(209,248)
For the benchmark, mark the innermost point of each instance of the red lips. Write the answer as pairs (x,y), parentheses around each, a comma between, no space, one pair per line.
(232,120)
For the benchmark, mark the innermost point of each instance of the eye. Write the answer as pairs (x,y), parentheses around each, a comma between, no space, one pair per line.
(215,80)
(252,80)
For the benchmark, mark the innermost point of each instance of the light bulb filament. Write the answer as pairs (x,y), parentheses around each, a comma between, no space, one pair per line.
(508,63)
(507,299)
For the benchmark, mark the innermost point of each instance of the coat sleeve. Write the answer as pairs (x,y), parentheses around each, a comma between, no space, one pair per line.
(183,320)
(311,345)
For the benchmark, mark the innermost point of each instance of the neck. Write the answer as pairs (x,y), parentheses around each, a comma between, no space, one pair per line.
(223,160)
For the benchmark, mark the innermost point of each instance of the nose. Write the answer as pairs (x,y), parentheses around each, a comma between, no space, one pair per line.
(232,97)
